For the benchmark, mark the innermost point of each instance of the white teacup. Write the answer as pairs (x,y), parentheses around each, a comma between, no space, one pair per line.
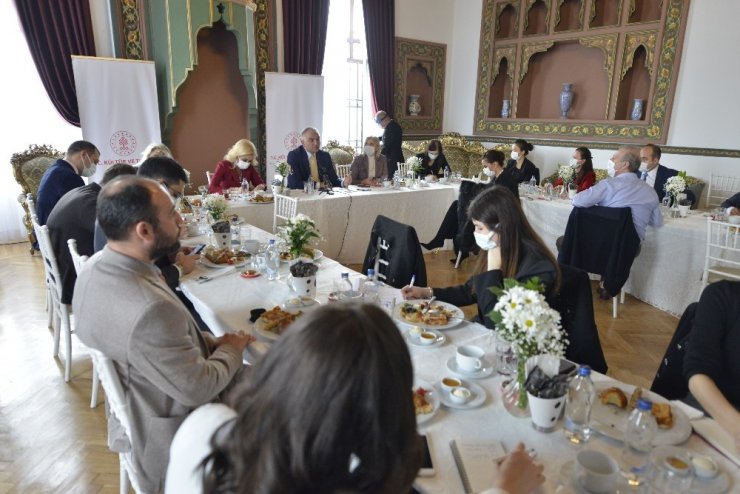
(596,471)
(469,358)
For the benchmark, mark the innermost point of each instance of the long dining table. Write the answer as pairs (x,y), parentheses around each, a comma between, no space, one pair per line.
(225,303)
(345,218)
(667,273)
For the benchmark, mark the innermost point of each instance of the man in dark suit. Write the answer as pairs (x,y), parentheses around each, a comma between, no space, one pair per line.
(655,174)
(392,138)
(307,161)
(74,217)
(65,174)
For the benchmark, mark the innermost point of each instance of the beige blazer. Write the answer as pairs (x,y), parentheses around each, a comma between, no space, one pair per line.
(359,168)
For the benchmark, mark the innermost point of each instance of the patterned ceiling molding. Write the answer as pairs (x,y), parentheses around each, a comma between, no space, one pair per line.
(530,49)
(682,150)
(607,43)
(647,40)
(131,29)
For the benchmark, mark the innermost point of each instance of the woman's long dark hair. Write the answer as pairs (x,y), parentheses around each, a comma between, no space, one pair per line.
(336,386)
(588,164)
(501,211)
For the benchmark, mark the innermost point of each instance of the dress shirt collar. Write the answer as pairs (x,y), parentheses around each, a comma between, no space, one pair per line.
(308,153)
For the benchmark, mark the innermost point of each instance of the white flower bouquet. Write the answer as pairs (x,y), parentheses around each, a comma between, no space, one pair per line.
(414,165)
(567,173)
(216,205)
(299,233)
(675,185)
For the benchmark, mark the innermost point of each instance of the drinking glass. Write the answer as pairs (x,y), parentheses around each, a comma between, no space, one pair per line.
(506,362)
(572,190)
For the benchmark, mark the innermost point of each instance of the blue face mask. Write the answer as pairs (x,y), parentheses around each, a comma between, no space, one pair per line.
(485,240)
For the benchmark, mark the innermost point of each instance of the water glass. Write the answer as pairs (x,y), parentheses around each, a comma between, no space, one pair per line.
(506,362)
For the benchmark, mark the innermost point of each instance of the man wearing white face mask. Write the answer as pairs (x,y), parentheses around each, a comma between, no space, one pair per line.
(370,167)
(625,189)
(65,174)
(238,166)
(655,174)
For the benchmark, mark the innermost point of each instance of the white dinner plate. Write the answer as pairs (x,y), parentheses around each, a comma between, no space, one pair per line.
(317,254)
(416,341)
(204,261)
(269,197)
(269,335)
(569,484)
(477,399)
(457,315)
(432,397)
(612,421)
(484,371)
(239,219)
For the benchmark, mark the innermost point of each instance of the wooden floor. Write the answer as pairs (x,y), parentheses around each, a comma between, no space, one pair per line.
(51,441)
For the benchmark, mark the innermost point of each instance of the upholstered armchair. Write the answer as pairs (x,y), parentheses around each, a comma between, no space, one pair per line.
(340,155)
(462,155)
(28,168)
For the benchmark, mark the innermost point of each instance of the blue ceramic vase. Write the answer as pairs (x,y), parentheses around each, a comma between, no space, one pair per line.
(566,99)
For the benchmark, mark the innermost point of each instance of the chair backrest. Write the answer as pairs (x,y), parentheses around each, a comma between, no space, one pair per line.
(53,278)
(77,259)
(343,170)
(209,175)
(603,241)
(285,209)
(723,252)
(340,155)
(28,168)
(403,169)
(720,188)
(397,246)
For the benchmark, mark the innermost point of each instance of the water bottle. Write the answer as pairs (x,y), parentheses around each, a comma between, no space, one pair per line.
(371,289)
(447,173)
(236,231)
(549,192)
(638,442)
(345,290)
(578,407)
(272,260)
(533,186)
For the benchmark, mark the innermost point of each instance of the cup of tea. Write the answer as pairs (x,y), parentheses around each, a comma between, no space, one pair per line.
(469,358)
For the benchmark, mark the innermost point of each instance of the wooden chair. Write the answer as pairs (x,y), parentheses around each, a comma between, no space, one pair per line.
(50,308)
(106,371)
(285,209)
(77,262)
(722,260)
(28,168)
(343,171)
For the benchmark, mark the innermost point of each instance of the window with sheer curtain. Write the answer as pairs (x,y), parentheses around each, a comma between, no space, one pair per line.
(29,118)
(348,114)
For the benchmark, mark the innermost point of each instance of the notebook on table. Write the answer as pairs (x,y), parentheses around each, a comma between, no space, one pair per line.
(475,460)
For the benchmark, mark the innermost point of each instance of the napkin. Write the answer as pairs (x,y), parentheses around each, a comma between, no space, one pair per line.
(710,430)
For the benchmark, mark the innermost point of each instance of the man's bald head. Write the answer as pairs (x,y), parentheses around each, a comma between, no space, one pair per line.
(126,201)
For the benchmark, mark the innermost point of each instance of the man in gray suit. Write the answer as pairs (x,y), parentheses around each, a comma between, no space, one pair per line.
(124,308)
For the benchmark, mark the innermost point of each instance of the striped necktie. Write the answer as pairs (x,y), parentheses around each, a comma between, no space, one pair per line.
(644,176)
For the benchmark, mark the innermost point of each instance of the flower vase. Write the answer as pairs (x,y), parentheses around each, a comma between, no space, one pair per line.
(514,393)
(506,109)
(414,105)
(566,99)
(637,106)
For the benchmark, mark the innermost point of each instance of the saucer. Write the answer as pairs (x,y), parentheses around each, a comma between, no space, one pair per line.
(484,371)
(570,485)
(477,396)
(416,342)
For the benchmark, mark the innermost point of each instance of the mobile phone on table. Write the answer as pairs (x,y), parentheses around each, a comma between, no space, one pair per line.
(197,249)
(427,466)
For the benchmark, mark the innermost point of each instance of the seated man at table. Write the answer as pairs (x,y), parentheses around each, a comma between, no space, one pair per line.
(307,161)
(65,174)
(732,205)
(656,175)
(710,363)
(124,309)
(74,217)
(624,189)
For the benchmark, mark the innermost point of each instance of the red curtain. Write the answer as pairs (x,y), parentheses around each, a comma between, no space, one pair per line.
(380,21)
(54,30)
(304,35)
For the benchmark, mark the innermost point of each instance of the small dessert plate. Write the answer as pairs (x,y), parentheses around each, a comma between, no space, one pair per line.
(481,373)
(415,339)
(250,273)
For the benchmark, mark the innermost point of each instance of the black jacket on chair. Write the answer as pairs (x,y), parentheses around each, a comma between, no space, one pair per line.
(575,305)
(603,241)
(669,381)
(404,254)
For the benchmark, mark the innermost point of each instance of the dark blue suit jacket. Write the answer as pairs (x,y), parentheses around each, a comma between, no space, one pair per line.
(300,170)
(662,176)
(60,178)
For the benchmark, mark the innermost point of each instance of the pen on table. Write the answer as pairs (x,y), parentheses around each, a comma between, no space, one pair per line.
(413,279)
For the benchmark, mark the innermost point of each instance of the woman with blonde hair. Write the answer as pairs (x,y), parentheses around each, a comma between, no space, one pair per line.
(239,164)
(154,150)
(370,167)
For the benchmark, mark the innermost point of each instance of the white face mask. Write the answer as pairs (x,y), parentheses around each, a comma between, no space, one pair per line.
(610,168)
(574,163)
(514,155)
(369,150)
(89,171)
(433,156)
(487,171)
(643,166)
(485,240)
(243,165)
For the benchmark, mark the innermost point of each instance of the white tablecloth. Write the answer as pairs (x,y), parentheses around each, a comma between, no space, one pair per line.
(224,303)
(345,219)
(666,274)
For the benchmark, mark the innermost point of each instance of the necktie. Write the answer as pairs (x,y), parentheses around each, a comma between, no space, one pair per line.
(644,176)
(314,168)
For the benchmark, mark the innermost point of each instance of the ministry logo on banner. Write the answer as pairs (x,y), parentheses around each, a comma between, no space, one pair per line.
(123,143)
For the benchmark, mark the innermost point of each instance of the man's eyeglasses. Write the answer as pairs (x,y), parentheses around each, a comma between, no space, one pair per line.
(175,194)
